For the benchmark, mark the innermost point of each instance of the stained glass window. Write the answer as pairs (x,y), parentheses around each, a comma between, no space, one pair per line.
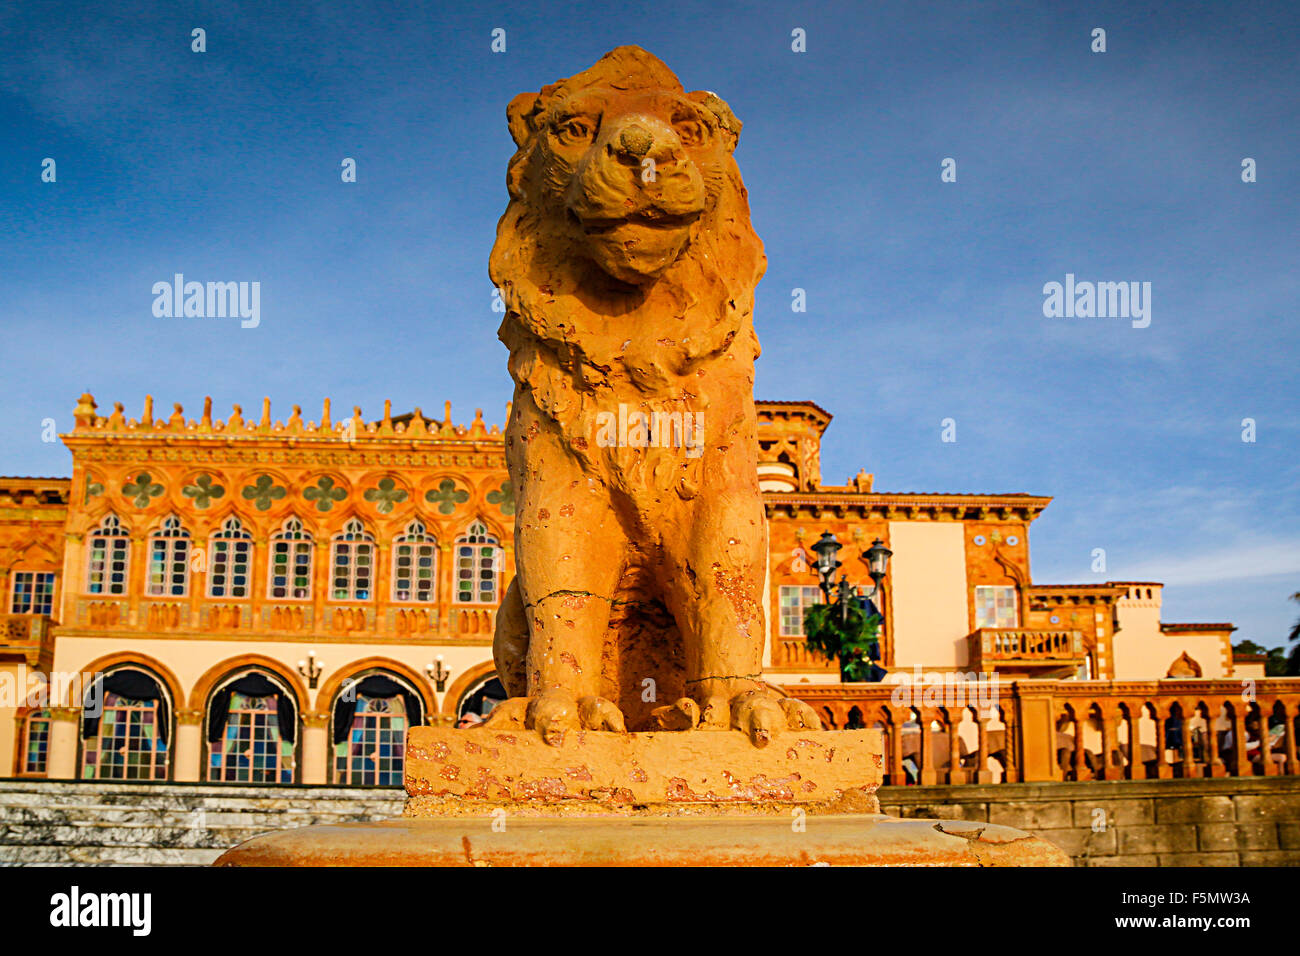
(795,599)
(169,560)
(290,575)
(374,750)
(232,549)
(108,553)
(128,746)
(36,742)
(251,749)
(477,556)
(415,561)
(995,606)
(33,593)
(352,563)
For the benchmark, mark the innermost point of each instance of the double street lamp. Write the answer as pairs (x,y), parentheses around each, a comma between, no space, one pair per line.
(827,547)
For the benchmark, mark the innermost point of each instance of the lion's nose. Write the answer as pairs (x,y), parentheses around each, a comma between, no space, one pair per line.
(635,141)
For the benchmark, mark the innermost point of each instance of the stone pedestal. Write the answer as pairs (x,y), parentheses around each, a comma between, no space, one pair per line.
(485,797)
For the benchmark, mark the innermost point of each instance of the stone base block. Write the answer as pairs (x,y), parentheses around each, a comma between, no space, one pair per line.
(769,840)
(449,770)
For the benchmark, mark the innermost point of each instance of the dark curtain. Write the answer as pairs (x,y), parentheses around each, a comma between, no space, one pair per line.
(376,685)
(252,685)
(136,685)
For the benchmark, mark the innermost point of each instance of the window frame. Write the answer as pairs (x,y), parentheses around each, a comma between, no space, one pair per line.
(33,604)
(297,538)
(177,550)
(115,535)
(415,540)
(1015,607)
(231,533)
(358,540)
(466,540)
(818,598)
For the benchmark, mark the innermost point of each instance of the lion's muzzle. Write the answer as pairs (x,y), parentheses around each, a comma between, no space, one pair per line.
(634,198)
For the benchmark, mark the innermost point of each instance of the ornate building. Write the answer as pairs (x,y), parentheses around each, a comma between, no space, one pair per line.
(259,601)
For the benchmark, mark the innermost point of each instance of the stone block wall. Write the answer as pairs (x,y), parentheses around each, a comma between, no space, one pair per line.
(1236,821)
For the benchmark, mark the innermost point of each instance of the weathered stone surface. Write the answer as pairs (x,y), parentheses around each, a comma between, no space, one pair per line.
(1117,813)
(1207,809)
(486,766)
(626,263)
(836,840)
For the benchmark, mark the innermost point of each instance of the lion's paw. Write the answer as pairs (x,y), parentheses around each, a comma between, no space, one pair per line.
(763,716)
(683,715)
(554,713)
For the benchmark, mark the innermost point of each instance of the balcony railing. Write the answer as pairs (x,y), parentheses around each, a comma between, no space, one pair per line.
(990,647)
(990,731)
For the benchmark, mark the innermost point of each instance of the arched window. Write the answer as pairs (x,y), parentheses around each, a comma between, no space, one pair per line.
(232,550)
(125,728)
(108,554)
(169,560)
(477,556)
(352,563)
(290,576)
(252,723)
(415,563)
(35,742)
(371,716)
(479,701)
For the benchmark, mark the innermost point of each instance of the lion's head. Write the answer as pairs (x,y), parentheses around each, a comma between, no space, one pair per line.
(622,162)
(626,252)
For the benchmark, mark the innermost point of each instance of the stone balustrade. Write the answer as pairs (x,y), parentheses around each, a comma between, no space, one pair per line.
(991,731)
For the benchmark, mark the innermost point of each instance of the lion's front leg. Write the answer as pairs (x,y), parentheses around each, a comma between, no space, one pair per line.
(715,591)
(571,551)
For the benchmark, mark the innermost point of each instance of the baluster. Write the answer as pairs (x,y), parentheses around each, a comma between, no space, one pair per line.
(1240,764)
(1271,768)
(1163,770)
(955,772)
(1288,739)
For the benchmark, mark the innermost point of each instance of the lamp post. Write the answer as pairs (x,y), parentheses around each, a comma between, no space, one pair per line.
(438,673)
(311,670)
(827,548)
(853,639)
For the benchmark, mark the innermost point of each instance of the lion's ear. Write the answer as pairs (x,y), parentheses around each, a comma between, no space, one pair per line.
(520,114)
(727,120)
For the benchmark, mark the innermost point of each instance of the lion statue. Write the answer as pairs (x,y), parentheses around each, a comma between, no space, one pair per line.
(626,263)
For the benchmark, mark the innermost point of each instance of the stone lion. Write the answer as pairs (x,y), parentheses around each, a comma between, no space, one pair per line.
(627,264)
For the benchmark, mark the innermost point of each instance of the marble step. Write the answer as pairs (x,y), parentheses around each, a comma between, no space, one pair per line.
(106,856)
(141,835)
(202,816)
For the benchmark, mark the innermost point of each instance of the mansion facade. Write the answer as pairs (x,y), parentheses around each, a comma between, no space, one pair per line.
(259,601)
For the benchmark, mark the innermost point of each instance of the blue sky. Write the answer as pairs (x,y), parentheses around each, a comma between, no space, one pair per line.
(924,298)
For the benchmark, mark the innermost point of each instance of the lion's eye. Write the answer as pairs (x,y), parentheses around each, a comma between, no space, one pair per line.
(573,131)
(691,131)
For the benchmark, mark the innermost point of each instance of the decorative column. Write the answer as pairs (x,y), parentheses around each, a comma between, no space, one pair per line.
(1163,769)
(1240,765)
(897,776)
(187,759)
(315,748)
(982,772)
(1288,738)
(61,764)
(1109,745)
(955,772)
(1212,755)
(929,772)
